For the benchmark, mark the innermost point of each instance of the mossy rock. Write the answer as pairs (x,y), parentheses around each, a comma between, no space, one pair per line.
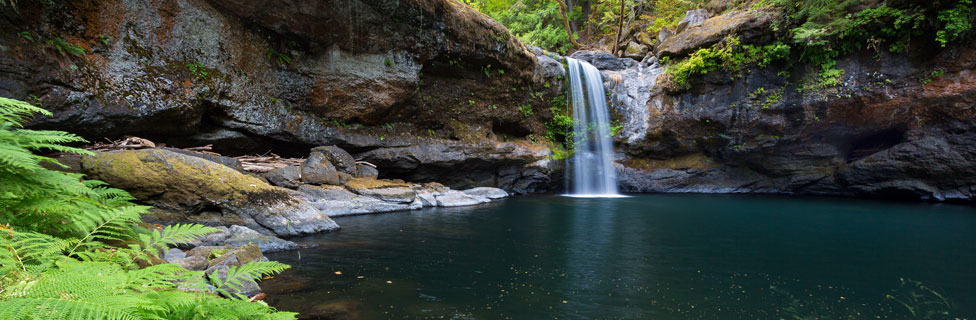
(190,189)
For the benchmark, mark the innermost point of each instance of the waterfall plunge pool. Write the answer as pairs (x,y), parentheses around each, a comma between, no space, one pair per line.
(658,256)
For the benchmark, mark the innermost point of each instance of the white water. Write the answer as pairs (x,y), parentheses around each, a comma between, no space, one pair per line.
(591,165)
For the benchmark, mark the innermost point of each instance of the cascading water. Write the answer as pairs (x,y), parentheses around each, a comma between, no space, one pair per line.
(591,165)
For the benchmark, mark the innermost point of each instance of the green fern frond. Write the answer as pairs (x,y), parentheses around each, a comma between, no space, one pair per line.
(157,241)
(55,308)
(15,112)
(236,276)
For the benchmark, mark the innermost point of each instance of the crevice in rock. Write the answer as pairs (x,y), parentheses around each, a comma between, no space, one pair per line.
(867,145)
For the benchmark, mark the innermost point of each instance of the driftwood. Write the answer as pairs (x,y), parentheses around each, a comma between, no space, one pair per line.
(250,163)
(124,144)
(267,162)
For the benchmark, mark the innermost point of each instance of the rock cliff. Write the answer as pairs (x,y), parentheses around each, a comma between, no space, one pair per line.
(252,76)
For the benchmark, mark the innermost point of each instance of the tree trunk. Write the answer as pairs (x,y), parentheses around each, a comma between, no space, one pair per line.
(569,28)
(620,27)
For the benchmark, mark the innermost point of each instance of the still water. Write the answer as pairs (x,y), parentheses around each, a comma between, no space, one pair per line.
(641,257)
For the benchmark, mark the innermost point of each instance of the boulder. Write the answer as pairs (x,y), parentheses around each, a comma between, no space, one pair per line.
(342,160)
(240,236)
(219,265)
(190,189)
(365,171)
(173,254)
(635,51)
(692,17)
(487,192)
(604,61)
(227,161)
(457,199)
(391,194)
(749,26)
(317,169)
(664,34)
(288,177)
(337,201)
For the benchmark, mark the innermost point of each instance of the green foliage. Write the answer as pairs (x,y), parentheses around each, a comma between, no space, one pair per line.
(931,76)
(729,55)
(277,58)
(198,70)
(389,63)
(104,39)
(823,30)
(60,243)
(957,20)
(526,109)
(64,48)
(536,22)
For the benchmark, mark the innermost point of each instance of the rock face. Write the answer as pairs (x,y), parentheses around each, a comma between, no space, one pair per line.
(512,166)
(881,133)
(253,76)
(190,189)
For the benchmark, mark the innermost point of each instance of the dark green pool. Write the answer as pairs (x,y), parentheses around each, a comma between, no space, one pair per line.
(642,257)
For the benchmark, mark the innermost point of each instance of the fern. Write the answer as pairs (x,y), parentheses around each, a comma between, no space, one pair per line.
(60,256)
(236,277)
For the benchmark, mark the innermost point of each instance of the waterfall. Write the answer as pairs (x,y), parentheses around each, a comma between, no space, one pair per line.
(591,165)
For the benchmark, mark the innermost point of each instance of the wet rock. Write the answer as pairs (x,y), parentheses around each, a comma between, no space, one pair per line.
(748,26)
(337,201)
(395,194)
(190,189)
(487,192)
(233,256)
(365,171)
(288,177)
(236,236)
(603,61)
(317,169)
(457,199)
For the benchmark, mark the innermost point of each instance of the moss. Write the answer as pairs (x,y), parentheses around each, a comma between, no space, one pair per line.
(368,183)
(175,179)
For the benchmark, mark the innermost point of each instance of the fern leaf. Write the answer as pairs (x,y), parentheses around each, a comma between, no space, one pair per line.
(251,271)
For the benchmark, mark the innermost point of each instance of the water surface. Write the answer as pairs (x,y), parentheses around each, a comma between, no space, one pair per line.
(640,257)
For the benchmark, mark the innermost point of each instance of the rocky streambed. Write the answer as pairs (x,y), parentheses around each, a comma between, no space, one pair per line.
(253,212)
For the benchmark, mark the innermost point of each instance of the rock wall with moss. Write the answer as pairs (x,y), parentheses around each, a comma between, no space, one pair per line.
(729,109)
(376,77)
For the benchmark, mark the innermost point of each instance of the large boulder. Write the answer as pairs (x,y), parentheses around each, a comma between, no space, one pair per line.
(749,26)
(288,177)
(189,189)
(342,160)
(317,169)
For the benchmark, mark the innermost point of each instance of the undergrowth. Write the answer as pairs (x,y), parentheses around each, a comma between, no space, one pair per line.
(72,248)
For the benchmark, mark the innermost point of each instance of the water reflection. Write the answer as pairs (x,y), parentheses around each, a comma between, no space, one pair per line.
(642,257)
